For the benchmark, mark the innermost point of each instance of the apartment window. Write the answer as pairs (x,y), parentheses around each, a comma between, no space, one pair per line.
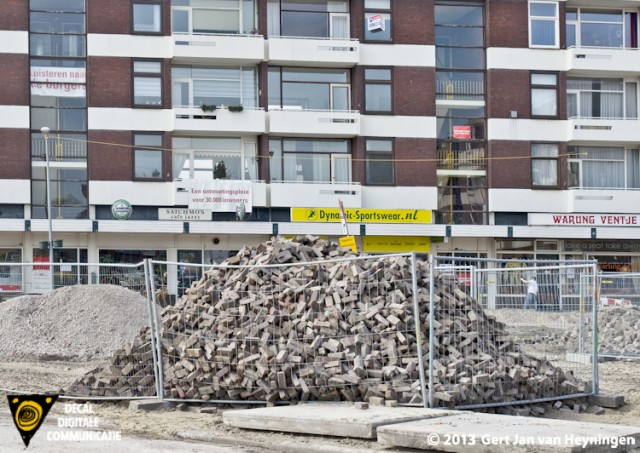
(379,161)
(601,98)
(460,85)
(57,29)
(221,16)
(544,164)
(543,24)
(214,158)
(544,94)
(377,20)
(147,83)
(594,167)
(377,90)
(308,160)
(69,194)
(309,88)
(147,156)
(147,18)
(196,86)
(311,18)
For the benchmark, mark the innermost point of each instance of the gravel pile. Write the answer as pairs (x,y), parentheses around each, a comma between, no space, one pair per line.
(618,329)
(71,323)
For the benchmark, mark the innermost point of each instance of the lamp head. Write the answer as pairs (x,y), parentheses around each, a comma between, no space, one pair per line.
(45,132)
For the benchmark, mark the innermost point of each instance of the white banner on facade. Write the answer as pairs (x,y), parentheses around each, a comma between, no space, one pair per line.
(58,75)
(585,219)
(219,195)
(66,90)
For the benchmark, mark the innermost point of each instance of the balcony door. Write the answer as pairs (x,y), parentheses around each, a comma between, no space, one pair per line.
(340,97)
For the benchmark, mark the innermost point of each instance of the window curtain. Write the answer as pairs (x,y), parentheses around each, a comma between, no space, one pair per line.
(181,166)
(339,26)
(273,18)
(602,168)
(633,169)
(631,96)
(249,87)
(342,165)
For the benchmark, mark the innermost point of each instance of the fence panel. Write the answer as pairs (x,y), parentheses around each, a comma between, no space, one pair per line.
(95,313)
(337,329)
(500,353)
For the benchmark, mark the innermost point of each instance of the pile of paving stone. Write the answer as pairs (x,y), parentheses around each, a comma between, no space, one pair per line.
(264,327)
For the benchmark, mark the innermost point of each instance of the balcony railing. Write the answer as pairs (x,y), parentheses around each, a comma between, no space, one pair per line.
(59,150)
(465,159)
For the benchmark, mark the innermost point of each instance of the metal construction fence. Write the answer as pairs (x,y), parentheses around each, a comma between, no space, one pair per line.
(441,333)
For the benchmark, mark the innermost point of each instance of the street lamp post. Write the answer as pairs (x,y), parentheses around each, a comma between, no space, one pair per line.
(45,134)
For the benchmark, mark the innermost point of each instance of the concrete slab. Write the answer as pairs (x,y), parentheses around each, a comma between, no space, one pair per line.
(610,401)
(150,405)
(475,432)
(326,419)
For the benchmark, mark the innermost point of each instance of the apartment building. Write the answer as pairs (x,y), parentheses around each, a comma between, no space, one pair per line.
(183,130)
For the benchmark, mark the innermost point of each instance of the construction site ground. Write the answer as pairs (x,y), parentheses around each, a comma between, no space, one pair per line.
(616,377)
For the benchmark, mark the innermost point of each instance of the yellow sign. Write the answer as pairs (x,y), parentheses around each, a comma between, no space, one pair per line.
(358,215)
(349,241)
(396,244)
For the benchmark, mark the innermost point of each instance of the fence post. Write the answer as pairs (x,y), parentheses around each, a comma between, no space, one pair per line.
(594,358)
(431,328)
(416,316)
(156,340)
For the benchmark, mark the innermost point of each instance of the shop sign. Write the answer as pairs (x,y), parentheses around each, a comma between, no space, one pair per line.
(602,246)
(183,214)
(585,219)
(121,210)
(358,215)
(396,244)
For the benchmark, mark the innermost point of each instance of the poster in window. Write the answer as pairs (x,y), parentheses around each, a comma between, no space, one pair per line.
(461,132)
(375,23)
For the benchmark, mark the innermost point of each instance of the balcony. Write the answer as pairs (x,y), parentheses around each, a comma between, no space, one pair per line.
(327,123)
(301,194)
(328,52)
(617,130)
(218,49)
(193,120)
(605,61)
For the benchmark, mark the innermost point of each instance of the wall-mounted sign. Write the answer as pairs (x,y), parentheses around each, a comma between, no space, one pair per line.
(121,210)
(396,244)
(375,23)
(219,195)
(618,220)
(461,132)
(183,214)
(358,215)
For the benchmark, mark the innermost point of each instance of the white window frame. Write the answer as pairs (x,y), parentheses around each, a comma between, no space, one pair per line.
(555,19)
